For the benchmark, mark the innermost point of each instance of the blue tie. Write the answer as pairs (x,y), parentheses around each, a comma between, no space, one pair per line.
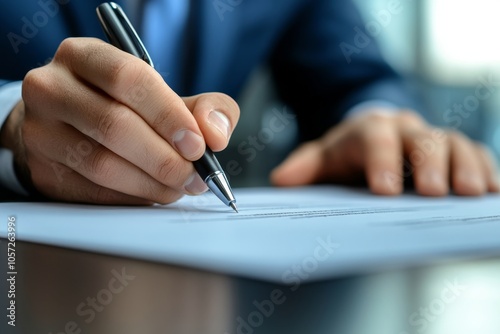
(163,25)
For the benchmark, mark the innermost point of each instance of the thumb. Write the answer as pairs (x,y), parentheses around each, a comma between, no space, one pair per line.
(217,115)
(303,166)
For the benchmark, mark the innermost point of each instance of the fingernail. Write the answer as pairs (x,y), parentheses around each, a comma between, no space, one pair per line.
(220,122)
(188,144)
(195,185)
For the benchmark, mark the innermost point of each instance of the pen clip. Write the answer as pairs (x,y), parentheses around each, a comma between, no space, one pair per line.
(120,31)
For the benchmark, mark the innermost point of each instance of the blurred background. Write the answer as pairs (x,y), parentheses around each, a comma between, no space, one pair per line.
(447,48)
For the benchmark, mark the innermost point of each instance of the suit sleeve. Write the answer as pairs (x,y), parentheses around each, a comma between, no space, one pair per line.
(326,63)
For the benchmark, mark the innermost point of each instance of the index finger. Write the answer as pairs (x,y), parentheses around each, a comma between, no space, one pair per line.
(137,85)
(383,151)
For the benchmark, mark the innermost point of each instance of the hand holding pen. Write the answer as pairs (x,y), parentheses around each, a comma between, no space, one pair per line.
(102,126)
(121,34)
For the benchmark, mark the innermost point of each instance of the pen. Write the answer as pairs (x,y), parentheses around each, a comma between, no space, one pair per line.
(121,34)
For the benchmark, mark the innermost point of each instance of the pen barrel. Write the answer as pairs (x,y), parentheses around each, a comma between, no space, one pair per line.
(120,31)
(207,164)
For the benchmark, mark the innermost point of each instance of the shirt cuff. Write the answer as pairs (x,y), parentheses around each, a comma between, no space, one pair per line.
(372,106)
(10,95)
(8,176)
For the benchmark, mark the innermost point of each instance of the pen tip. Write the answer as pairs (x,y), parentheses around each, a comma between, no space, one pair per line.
(233,205)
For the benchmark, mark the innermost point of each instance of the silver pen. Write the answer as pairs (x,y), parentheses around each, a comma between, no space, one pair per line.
(122,34)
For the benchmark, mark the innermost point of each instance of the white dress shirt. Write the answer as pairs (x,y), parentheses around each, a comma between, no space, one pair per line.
(10,95)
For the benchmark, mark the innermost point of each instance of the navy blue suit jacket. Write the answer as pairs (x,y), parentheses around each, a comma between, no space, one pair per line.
(299,40)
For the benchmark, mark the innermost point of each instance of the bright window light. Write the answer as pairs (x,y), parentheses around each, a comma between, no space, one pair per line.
(462,38)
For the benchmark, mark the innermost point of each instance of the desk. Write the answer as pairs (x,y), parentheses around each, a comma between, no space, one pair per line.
(67,291)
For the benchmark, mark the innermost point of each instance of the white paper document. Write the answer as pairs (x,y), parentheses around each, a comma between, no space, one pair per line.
(287,236)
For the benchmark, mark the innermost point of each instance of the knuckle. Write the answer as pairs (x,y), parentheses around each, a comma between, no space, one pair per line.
(68,48)
(36,84)
(386,141)
(382,140)
(166,119)
(421,134)
(410,117)
(33,78)
(129,76)
(78,49)
(100,166)
(170,170)
(118,70)
(378,117)
(163,120)
(112,123)
(436,136)
(131,80)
